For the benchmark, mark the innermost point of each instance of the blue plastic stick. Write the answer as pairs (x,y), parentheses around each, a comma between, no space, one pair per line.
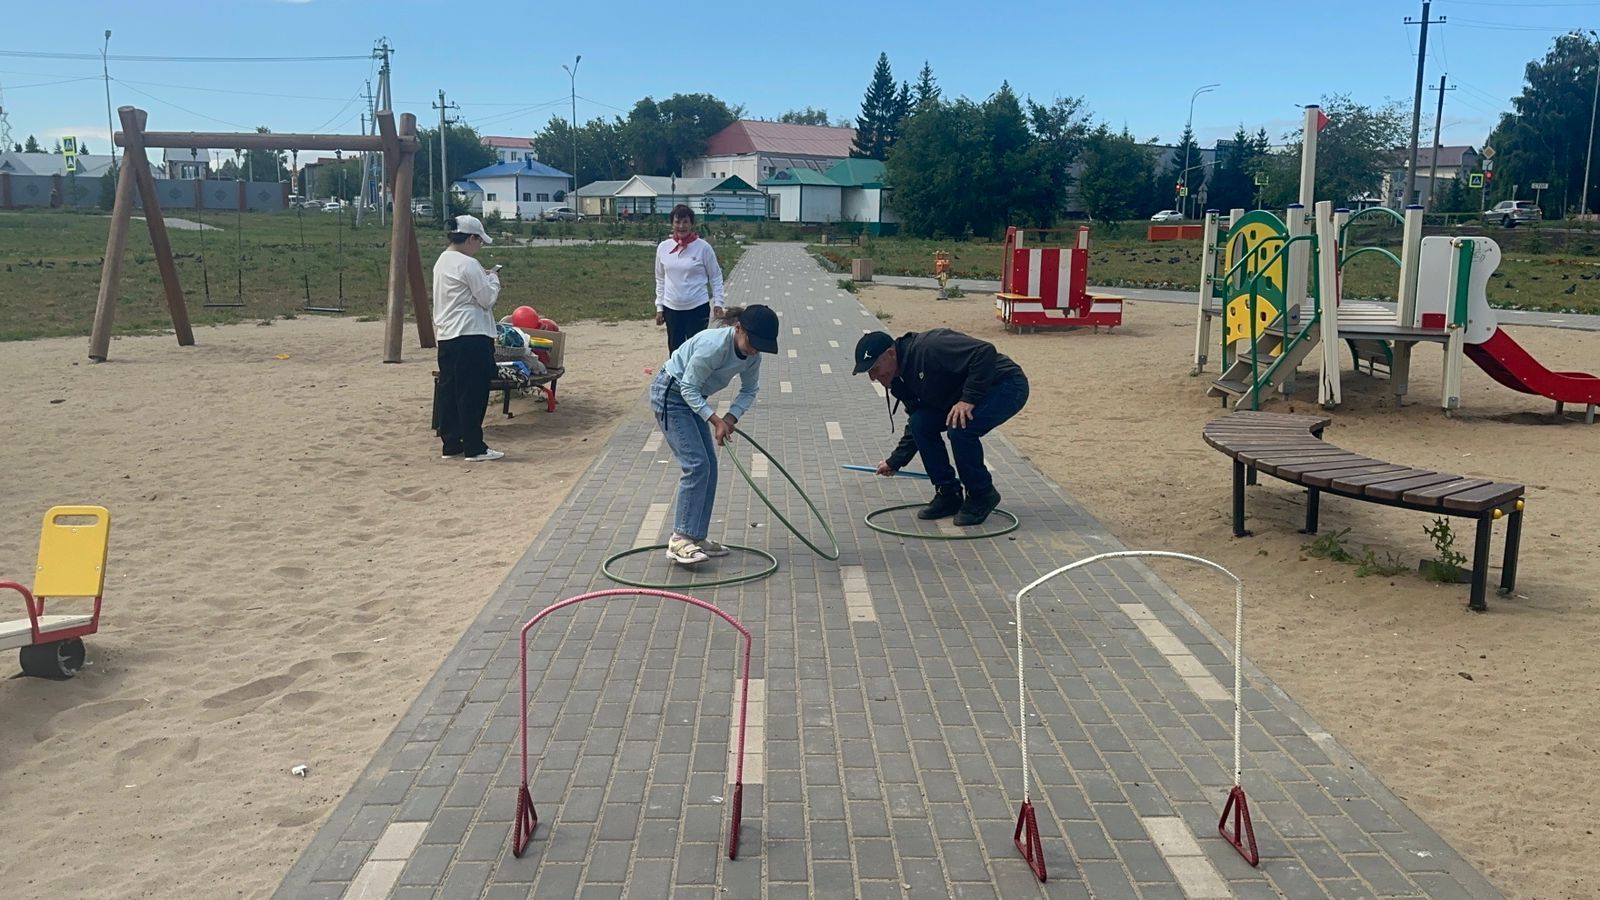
(904,473)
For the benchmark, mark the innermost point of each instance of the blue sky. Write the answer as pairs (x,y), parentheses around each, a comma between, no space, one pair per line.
(1135,63)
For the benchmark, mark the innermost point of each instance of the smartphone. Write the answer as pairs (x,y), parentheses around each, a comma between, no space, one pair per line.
(498,267)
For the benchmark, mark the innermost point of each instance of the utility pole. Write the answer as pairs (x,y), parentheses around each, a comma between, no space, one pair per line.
(382,51)
(444,171)
(1594,104)
(1438,122)
(366,160)
(572,80)
(1416,102)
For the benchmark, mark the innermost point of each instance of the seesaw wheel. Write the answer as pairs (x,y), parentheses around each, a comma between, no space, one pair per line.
(56,660)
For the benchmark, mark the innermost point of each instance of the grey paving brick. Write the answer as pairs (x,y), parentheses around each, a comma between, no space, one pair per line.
(891,761)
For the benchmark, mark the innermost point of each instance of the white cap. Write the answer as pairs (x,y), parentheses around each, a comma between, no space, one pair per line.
(470,225)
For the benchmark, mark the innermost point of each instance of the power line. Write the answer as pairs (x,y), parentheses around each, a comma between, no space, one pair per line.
(42,54)
(18,87)
(181,108)
(1521,5)
(1483,25)
(598,103)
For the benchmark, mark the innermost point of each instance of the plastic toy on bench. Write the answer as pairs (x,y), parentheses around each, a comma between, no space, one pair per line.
(71,566)
(1048,287)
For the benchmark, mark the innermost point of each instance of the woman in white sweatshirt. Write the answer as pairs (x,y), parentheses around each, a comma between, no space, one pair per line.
(688,281)
(463,321)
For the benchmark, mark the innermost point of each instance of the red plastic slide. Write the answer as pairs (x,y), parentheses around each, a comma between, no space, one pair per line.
(1508,363)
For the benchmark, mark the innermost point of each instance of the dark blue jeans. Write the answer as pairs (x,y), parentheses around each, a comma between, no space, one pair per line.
(1003,401)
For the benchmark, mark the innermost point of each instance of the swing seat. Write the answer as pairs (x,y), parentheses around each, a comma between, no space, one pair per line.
(71,566)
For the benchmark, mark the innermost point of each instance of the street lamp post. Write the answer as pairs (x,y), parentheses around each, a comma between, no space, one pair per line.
(1583,204)
(1188,130)
(105,71)
(572,79)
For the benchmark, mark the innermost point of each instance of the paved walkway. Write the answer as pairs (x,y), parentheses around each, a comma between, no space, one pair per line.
(883,757)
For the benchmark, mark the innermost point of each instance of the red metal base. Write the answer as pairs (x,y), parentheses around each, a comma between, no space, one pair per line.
(1019,319)
(1243,838)
(527,821)
(738,817)
(1026,837)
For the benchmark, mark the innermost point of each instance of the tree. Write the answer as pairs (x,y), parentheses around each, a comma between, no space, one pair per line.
(602,153)
(1118,175)
(926,89)
(881,111)
(1194,178)
(57,148)
(83,149)
(807,116)
(660,136)
(931,168)
(464,152)
(32,146)
(1546,137)
(1354,149)
(1233,180)
(1059,131)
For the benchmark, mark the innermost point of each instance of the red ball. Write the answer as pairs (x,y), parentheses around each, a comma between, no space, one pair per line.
(548,325)
(525,317)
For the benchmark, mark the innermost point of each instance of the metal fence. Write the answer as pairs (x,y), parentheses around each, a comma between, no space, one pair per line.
(70,191)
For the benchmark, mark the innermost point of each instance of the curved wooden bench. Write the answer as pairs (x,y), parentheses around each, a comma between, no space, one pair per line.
(1291,448)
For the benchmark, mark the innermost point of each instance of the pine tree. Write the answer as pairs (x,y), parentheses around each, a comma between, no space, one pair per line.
(875,126)
(32,146)
(1193,178)
(927,88)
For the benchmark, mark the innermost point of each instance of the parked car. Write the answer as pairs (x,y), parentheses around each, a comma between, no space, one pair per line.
(1167,215)
(1511,213)
(560,214)
(310,203)
(422,210)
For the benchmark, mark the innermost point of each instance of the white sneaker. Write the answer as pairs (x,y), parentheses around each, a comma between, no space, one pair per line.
(685,552)
(486,456)
(712,548)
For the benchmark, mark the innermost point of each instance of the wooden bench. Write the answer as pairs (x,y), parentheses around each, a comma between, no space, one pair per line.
(1291,448)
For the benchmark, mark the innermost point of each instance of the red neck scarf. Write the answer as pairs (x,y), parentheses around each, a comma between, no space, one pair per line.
(687,239)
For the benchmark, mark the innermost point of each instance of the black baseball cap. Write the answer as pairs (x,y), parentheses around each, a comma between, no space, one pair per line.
(761,325)
(869,348)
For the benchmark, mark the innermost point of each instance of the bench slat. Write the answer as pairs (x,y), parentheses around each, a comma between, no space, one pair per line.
(1344,480)
(1437,492)
(1487,497)
(1269,458)
(1291,470)
(1393,490)
(1305,473)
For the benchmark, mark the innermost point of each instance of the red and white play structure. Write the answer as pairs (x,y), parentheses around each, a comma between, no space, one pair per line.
(1048,287)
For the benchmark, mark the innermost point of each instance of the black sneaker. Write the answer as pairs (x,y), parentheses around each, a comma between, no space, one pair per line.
(947,502)
(978,507)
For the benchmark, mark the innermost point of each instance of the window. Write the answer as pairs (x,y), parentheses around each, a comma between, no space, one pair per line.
(526,196)
(515,156)
(489,197)
(544,198)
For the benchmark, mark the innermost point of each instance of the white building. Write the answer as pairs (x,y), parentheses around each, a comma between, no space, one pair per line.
(850,191)
(716,198)
(756,151)
(510,149)
(521,189)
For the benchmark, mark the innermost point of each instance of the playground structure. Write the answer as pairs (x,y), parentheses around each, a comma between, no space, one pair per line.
(941,273)
(71,566)
(399,147)
(1048,287)
(1277,286)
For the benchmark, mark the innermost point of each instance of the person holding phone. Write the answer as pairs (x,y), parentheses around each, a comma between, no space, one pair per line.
(688,281)
(463,320)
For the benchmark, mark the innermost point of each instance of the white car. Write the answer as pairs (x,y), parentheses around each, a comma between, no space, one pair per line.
(1167,215)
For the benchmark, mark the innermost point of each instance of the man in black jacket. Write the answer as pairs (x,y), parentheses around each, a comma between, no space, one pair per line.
(947,381)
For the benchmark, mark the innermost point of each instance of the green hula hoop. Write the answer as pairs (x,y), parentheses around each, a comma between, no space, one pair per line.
(825,554)
(605,569)
(936,537)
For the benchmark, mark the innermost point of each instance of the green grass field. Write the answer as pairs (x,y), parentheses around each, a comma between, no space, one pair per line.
(1538,269)
(50,272)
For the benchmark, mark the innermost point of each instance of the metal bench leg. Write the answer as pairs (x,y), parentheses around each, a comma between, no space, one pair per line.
(1250,475)
(1508,568)
(1480,564)
(1313,500)
(1238,500)
(505,402)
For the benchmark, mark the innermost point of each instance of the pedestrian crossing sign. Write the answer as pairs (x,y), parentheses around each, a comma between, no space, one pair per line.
(1475,180)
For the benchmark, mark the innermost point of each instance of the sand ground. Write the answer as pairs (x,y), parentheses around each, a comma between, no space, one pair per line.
(1504,763)
(290,562)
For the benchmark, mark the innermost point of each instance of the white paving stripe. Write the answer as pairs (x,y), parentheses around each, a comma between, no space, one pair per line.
(865,311)
(837,322)
(1198,878)
(829,300)
(1193,672)
(653,442)
(827,369)
(833,344)
(857,596)
(834,433)
(650,528)
(793,353)
(755,733)
(758,466)
(379,874)
(878,389)
(785,387)
(811,307)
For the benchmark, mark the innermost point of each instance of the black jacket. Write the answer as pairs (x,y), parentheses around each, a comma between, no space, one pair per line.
(938,368)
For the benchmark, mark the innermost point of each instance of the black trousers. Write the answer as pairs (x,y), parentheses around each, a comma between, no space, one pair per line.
(683,324)
(466,366)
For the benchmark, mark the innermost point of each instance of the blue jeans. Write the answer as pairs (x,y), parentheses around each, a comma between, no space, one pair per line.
(1002,402)
(690,439)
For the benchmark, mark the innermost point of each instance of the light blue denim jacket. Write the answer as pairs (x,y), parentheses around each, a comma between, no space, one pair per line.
(706,363)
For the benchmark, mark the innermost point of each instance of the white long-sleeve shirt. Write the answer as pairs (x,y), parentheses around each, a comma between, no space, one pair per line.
(688,278)
(463,297)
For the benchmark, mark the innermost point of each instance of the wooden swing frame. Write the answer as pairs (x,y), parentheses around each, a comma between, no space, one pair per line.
(399,148)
